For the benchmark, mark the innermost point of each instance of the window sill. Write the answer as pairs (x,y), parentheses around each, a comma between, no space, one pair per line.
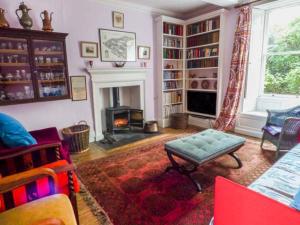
(250,123)
(257,114)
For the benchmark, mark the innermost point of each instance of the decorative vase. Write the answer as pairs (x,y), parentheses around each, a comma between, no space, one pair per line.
(24,19)
(46,21)
(3,21)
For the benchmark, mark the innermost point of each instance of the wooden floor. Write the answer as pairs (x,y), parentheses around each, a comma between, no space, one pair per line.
(96,151)
(86,216)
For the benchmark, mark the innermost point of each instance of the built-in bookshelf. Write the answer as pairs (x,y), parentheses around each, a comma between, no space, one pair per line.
(171,64)
(189,64)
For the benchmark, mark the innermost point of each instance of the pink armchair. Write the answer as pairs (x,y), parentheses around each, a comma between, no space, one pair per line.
(45,138)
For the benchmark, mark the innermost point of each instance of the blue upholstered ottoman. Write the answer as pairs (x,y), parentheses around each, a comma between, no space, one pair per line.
(200,148)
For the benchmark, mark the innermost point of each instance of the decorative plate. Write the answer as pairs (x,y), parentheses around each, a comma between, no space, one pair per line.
(194,84)
(205,84)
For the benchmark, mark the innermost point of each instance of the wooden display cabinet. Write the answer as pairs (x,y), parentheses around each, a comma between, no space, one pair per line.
(33,66)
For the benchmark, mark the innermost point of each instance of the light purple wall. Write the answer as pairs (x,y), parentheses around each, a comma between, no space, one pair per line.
(81,19)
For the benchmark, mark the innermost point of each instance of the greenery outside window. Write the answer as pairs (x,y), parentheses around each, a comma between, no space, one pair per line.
(281,52)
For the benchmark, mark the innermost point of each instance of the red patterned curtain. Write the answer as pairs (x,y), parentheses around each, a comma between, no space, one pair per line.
(227,118)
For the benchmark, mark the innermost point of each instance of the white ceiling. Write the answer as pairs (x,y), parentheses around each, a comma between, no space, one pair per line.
(180,6)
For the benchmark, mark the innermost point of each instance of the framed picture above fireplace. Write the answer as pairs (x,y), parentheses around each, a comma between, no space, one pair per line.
(117,46)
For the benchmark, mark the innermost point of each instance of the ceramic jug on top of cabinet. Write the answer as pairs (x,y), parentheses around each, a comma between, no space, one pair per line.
(3,21)
(24,19)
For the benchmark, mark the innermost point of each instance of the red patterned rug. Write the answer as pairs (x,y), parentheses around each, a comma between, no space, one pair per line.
(133,189)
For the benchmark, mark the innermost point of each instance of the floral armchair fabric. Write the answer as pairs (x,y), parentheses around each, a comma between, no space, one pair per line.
(282,128)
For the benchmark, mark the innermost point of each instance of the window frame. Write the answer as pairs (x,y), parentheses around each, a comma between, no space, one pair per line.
(265,55)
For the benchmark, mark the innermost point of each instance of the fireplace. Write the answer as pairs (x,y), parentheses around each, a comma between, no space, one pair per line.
(122,118)
(104,78)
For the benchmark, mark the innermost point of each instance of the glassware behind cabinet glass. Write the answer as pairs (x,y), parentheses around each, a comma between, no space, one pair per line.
(50,68)
(15,74)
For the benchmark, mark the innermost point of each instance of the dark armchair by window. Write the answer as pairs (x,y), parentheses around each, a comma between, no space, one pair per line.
(282,129)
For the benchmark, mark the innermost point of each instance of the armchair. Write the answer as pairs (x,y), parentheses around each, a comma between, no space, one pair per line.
(282,129)
(43,155)
(52,210)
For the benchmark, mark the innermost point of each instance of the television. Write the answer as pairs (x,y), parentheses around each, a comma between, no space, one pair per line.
(202,102)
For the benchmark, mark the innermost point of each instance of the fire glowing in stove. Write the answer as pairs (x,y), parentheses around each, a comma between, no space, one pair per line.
(120,122)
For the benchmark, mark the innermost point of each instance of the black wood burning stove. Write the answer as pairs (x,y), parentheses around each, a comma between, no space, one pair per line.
(122,118)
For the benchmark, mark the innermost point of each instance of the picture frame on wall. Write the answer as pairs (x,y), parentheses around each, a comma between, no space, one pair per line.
(118,19)
(89,49)
(117,46)
(78,88)
(144,52)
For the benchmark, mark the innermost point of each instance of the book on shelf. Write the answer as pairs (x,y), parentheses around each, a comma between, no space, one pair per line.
(172,42)
(173,29)
(172,54)
(172,85)
(202,63)
(172,74)
(169,109)
(172,97)
(202,52)
(203,26)
(203,39)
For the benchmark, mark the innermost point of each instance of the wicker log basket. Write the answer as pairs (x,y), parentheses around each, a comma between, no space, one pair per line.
(179,120)
(78,137)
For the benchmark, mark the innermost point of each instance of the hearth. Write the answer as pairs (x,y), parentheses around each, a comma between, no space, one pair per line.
(122,118)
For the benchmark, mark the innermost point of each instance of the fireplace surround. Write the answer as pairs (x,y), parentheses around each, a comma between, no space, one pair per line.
(109,78)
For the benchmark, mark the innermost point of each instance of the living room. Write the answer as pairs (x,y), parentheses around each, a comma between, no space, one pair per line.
(149,112)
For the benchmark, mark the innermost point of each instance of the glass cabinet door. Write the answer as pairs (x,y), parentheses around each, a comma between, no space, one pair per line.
(15,74)
(50,68)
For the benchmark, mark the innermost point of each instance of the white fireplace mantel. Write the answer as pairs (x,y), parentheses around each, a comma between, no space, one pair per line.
(113,77)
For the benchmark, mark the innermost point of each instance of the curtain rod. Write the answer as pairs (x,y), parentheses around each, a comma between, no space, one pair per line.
(248,3)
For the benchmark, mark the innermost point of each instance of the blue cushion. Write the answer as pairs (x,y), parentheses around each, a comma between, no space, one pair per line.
(13,134)
(296,202)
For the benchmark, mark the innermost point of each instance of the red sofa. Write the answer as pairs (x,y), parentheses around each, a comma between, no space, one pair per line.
(269,200)
(238,205)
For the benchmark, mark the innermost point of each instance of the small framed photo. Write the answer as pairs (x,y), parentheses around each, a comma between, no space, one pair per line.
(143,52)
(118,19)
(78,88)
(89,49)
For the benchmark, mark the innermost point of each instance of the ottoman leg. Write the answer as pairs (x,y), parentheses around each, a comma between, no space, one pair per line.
(237,159)
(183,170)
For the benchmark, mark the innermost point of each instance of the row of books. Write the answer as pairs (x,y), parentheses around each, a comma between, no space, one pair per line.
(202,52)
(172,74)
(172,54)
(172,85)
(169,109)
(202,63)
(172,42)
(203,39)
(172,97)
(173,29)
(203,26)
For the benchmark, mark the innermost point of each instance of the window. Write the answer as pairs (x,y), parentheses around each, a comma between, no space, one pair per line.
(282,51)
(273,77)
